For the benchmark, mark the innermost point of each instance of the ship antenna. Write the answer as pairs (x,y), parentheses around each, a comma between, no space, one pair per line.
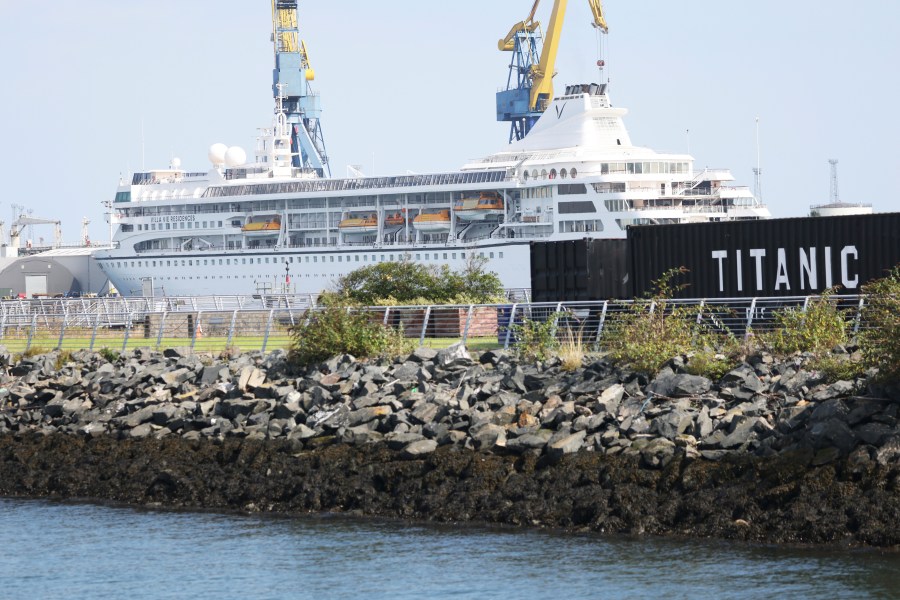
(757,171)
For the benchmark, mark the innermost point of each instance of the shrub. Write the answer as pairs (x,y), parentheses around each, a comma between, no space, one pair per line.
(339,329)
(405,283)
(535,339)
(652,331)
(879,339)
(108,354)
(818,329)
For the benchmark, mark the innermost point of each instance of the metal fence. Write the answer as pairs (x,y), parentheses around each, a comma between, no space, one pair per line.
(264,322)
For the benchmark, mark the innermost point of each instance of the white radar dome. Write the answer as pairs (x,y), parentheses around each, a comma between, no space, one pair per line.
(176,163)
(217,154)
(235,156)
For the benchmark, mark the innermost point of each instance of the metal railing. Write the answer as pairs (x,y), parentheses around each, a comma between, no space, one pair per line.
(264,322)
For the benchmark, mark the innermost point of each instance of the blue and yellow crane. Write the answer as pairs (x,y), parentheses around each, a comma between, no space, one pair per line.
(291,82)
(529,87)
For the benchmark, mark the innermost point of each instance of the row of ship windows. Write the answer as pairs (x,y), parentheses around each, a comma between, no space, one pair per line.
(184,225)
(315,259)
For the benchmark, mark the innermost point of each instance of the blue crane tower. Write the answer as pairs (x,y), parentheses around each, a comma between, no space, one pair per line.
(524,40)
(291,83)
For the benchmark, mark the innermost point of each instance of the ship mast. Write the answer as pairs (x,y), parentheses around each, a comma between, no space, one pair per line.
(291,88)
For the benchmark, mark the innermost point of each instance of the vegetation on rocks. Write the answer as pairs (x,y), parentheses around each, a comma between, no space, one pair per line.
(337,329)
(880,337)
(654,331)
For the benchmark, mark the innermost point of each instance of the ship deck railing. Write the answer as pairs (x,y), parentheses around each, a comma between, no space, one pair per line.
(265,321)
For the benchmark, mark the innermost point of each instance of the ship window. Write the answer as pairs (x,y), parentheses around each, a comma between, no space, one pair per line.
(357,258)
(525,175)
(332,258)
(454,256)
(534,173)
(445,256)
(382,257)
(340,259)
(182,263)
(315,259)
(573,173)
(543,173)
(563,174)
(501,255)
(220,223)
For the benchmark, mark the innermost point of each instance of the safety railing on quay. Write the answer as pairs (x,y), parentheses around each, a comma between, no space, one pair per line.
(264,323)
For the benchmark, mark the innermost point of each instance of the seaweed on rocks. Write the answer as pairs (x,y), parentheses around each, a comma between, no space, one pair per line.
(444,437)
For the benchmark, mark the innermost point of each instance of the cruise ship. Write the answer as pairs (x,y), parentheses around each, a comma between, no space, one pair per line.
(278,223)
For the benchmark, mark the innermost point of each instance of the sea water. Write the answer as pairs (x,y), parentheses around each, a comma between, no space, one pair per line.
(68,550)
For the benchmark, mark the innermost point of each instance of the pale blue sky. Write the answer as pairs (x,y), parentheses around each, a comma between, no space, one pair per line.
(411,84)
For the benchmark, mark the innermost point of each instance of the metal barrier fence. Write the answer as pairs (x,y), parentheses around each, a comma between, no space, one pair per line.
(264,323)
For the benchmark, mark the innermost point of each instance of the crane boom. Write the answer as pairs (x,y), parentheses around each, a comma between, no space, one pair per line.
(530,85)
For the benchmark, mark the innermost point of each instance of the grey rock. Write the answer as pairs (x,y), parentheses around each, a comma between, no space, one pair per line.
(838,389)
(452,356)
(488,436)
(567,445)
(418,449)
(874,434)
(834,432)
(672,424)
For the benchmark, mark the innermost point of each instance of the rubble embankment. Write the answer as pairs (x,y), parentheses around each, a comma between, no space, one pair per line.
(769,453)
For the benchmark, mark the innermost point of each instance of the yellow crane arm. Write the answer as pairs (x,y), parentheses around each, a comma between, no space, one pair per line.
(542,73)
(599,19)
(508,44)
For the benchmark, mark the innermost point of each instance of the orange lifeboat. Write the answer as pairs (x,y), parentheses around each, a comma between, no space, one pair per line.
(432,222)
(478,209)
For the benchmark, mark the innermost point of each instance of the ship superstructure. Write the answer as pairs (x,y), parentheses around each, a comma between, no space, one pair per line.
(276,224)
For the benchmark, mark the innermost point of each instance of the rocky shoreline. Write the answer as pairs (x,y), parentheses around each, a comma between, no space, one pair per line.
(769,453)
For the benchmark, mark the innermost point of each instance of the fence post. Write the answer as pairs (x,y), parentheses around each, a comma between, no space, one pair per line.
(387,311)
(31,331)
(602,322)
(268,329)
(3,323)
(700,312)
(62,333)
(509,325)
(750,313)
(162,327)
(231,329)
(465,335)
(805,304)
(425,326)
(197,329)
(127,331)
(858,319)
(94,330)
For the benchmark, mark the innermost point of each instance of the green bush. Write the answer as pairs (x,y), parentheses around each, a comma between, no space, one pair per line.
(653,331)
(818,329)
(108,354)
(879,339)
(406,283)
(338,329)
(535,339)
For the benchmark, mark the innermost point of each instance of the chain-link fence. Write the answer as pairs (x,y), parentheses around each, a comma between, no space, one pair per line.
(258,323)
